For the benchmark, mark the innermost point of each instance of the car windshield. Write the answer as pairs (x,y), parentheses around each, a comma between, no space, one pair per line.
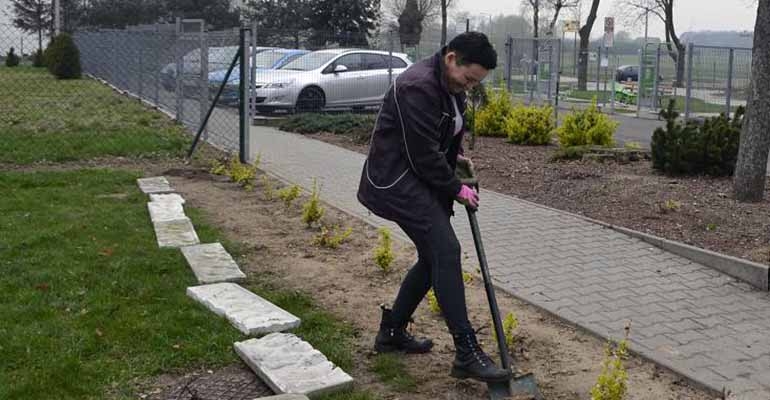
(309,62)
(267,59)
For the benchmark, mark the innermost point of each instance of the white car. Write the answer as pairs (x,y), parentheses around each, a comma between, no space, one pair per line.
(327,79)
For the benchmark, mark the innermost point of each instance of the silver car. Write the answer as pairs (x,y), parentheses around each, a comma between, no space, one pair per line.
(327,79)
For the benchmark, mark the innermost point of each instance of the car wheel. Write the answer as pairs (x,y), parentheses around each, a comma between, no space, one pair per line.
(311,99)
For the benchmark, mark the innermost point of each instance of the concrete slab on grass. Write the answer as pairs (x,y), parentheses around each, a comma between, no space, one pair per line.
(157,184)
(288,364)
(211,263)
(170,197)
(177,233)
(248,312)
(164,211)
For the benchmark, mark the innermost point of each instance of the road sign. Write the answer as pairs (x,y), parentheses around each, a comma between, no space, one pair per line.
(609,31)
(571,25)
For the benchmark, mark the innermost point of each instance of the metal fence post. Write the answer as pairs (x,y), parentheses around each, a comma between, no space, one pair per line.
(612,89)
(550,69)
(598,68)
(508,62)
(639,78)
(253,70)
(688,92)
(729,81)
(390,57)
(179,75)
(558,82)
(655,80)
(204,81)
(245,101)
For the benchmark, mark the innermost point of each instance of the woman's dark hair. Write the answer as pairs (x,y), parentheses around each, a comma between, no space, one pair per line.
(474,48)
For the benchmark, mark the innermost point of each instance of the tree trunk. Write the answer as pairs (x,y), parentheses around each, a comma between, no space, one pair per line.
(682,60)
(585,35)
(677,55)
(40,39)
(443,22)
(583,62)
(751,168)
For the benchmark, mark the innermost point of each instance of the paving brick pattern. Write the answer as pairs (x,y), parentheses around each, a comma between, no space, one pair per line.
(685,316)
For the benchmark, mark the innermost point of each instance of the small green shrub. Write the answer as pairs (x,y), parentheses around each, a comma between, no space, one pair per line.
(490,119)
(477,98)
(313,211)
(612,383)
(632,146)
(219,167)
(669,206)
(267,184)
(38,60)
(587,127)
(467,277)
(530,125)
(11,59)
(433,302)
(358,126)
(510,323)
(242,174)
(62,58)
(332,238)
(289,194)
(570,153)
(692,148)
(383,254)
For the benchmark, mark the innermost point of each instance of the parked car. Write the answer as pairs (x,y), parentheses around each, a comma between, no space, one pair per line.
(219,58)
(334,78)
(266,60)
(626,73)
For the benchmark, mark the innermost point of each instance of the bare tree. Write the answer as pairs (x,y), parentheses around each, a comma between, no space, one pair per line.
(751,167)
(664,10)
(557,6)
(585,36)
(426,9)
(410,24)
(445,4)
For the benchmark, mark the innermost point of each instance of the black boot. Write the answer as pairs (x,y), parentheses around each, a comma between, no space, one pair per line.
(471,361)
(393,337)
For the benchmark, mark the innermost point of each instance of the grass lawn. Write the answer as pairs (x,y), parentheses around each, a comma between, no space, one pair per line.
(602,96)
(45,119)
(90,303)
(696,105)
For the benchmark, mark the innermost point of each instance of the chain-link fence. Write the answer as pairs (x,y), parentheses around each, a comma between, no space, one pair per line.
(531,69)
(171,66)
(717,79)
(701,80)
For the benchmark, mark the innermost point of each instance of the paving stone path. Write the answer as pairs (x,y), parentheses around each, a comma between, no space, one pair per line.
(685,316)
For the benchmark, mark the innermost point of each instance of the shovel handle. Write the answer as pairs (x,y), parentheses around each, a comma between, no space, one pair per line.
(502,345)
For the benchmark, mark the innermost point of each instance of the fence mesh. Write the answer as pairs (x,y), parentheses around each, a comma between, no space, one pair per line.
(170,66)
(179,67)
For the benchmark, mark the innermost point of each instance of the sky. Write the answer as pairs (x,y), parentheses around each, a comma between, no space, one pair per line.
(689,15)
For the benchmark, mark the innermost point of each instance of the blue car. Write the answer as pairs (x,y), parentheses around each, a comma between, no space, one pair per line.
(266,60)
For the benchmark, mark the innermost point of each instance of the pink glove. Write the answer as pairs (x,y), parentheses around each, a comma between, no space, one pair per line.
(468,197)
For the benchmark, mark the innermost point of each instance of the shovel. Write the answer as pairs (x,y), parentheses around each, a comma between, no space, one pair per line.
(522,386)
